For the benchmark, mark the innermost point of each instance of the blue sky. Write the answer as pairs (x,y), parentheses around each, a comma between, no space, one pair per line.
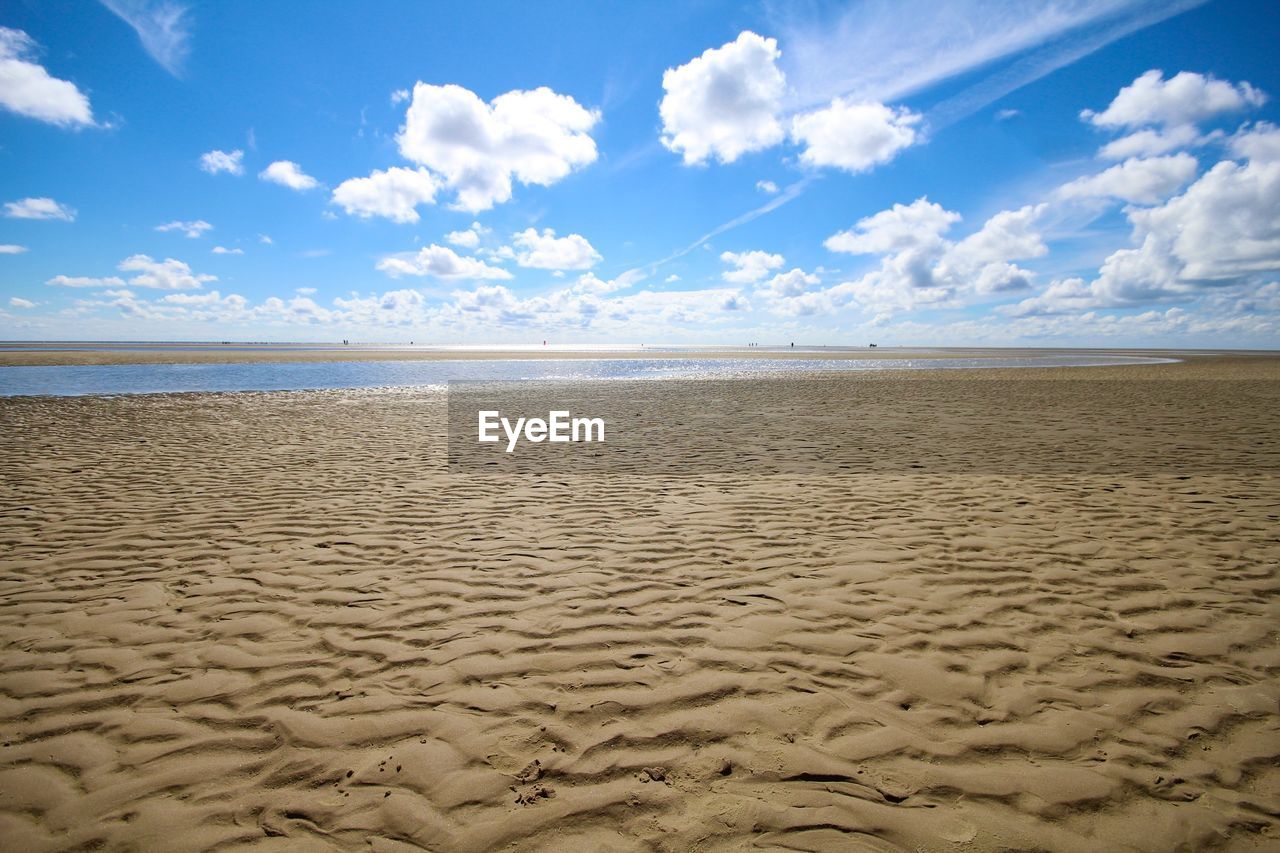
(1092,172)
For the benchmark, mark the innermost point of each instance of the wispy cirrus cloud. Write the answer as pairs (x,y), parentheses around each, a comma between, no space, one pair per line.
(163,26)
(788,194)
(1057,53)
(885,50)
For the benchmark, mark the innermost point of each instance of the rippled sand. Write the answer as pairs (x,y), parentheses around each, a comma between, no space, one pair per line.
(276,620)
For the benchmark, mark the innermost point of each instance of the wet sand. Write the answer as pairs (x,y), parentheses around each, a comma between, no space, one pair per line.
(278,620)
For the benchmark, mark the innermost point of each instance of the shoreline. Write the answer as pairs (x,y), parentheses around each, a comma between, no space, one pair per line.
(19,356)
(1207,367)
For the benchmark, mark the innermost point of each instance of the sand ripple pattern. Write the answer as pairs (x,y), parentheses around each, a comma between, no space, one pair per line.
(274,620)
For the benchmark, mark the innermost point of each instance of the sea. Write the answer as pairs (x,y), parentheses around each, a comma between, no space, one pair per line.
(598,364)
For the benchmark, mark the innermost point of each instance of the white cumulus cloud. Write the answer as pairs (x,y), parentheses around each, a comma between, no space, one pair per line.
(1151,142)
(1141,181)
(724,103)
(393,194)
(479,149)
(19,302)
(749,267)
(1226,226)
(901,227)
(191,229)
(546,251)
(440,262)
(38,208)
(919,265)
(204,300)
(593,284)
(26,88)
(217,161)
(1161,116)
(85,281)
(787,285)
(168,274)
(854,136)
(286,173)
(11,249)
(468,238)
(1221,235)
(1184,99)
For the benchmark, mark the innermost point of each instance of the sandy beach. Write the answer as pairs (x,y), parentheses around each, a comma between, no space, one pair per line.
(280,621)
